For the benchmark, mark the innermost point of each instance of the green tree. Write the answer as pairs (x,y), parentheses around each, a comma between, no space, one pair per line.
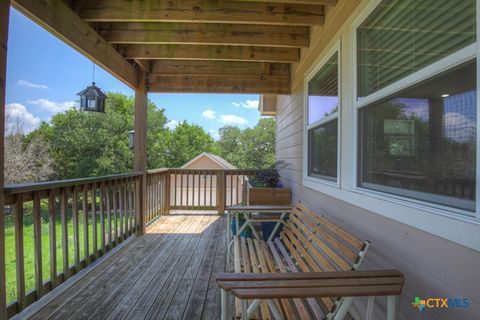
(185,142)
(92,144)
(251,148)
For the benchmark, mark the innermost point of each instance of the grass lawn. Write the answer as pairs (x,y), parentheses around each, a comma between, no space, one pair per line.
(29,245)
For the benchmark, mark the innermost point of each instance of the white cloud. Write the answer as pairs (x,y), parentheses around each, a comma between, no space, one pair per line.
(247,104)
(209,114)
(172,124)
(232,119)
(52,106)
(17,113)
(28,84)
(214,134)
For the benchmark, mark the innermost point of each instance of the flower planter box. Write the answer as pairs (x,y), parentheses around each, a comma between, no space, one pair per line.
(269,196)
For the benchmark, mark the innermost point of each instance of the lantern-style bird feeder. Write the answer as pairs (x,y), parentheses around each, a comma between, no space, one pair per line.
(92,99)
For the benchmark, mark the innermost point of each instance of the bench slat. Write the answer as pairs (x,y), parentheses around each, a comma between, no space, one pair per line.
(311,302)
(253,259)
(299,304)
(318,232)
(356,291)
(322,246)
(309,275)
(266,268)
(342,282)
(332,227)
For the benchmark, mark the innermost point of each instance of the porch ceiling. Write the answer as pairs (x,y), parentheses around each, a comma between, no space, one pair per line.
(240,46)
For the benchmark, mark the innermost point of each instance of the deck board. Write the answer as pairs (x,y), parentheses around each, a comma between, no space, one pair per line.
(166,274)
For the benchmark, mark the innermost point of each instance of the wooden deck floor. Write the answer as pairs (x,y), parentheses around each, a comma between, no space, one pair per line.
(165,274)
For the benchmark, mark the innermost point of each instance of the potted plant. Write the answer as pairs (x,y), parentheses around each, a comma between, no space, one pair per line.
(266,189)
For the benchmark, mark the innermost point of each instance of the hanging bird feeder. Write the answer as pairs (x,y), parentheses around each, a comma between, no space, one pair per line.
(92,98)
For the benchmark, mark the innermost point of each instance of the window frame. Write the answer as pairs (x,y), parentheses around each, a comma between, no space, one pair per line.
(316,179)
(437,220)
(457,58)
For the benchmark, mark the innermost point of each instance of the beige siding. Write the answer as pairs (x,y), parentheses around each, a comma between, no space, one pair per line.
(433,266)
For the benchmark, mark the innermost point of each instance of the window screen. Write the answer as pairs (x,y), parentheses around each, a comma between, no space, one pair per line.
(402,36)
(421,142)
(323,121)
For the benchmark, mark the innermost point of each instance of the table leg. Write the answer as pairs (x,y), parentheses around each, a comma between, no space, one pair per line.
(279,222)
(391,302)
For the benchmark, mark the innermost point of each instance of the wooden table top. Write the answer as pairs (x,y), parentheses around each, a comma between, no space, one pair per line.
(256,208)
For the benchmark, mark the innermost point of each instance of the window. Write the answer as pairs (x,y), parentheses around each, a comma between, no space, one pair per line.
(403,36)
(322,121)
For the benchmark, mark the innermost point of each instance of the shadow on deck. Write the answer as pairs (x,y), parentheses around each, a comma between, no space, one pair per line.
(169,273)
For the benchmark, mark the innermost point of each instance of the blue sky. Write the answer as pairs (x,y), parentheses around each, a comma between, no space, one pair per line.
(44,75)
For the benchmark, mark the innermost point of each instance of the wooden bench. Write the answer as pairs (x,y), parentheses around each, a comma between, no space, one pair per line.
(308,246)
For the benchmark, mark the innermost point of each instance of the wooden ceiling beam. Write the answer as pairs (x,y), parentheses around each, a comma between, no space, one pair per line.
(178,83)
(206,52)
(190,76)
(315,2)
(61,21)
(211,34)
(221,68)
(215,11)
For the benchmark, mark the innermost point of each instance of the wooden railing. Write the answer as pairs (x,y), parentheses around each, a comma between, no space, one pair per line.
(55,229)
(195,189)
(85,218)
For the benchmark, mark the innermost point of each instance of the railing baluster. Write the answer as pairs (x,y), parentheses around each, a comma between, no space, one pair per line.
(125,209)
(175,190)
(53,238)
(199,188)
(130,206)
(85,224)
(231,189)
(19,254)
(37,243)
(115,212)
(109,214)
(205,190)
(121,208)
(64,221)
(94,221)
(181,190)
(76,229)
(188,190)
(102,217)
(211,188)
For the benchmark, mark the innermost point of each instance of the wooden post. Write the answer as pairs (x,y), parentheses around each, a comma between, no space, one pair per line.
(221,187)
(141,101)
(4,16)
(167,191)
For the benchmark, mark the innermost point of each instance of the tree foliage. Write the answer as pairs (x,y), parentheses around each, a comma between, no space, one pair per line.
(251,148)
(93,144)
(26,160)
(83,144)
(185,142)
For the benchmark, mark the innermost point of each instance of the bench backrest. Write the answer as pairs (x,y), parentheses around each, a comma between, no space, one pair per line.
(315,244)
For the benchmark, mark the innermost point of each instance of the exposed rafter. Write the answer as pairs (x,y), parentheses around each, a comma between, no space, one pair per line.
(219,77)
(210,33)
(316,2)
(202,11)
(59,19)
(205,52)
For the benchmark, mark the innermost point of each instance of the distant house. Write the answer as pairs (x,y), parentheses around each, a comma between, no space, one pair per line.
(206,160)
(191,188)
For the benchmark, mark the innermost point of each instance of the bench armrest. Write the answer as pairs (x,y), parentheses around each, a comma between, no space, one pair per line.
(312,284)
